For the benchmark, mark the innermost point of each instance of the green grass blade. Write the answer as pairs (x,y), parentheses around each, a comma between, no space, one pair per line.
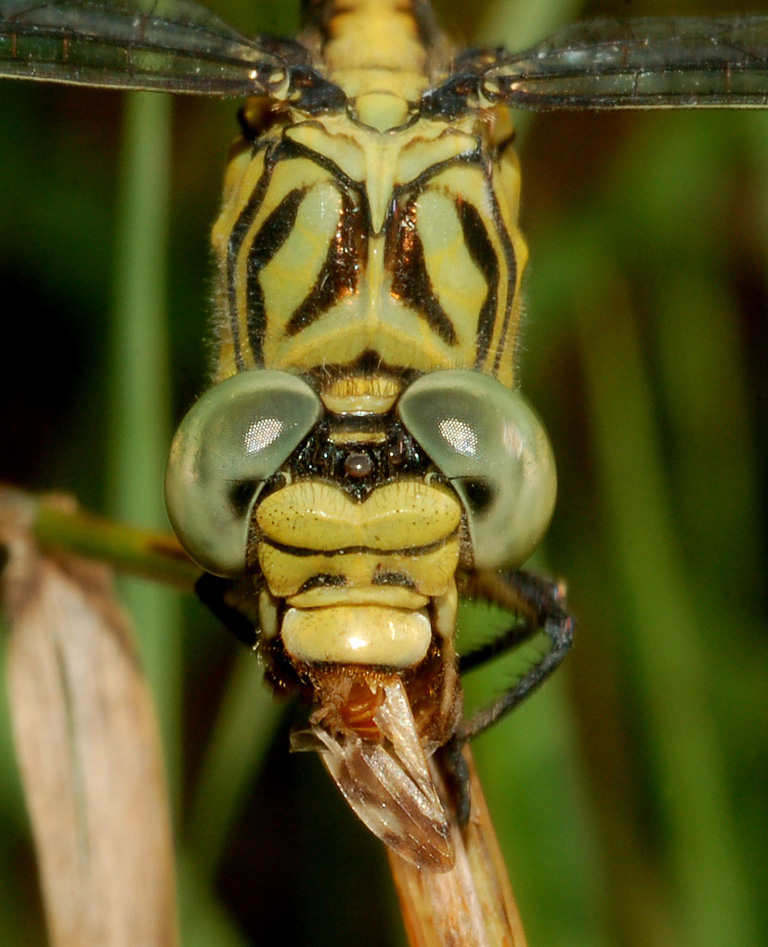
(245,724)
(139,416)
(668,657)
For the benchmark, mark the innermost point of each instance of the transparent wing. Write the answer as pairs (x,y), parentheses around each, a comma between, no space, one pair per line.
(388,783)
(171,45)
(645,63)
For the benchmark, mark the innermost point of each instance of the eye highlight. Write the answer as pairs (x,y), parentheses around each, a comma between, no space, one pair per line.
(487,440)
(262,434)
(233,439)
(459,435)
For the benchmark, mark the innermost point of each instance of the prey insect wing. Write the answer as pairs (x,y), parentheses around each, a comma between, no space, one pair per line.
(387,781)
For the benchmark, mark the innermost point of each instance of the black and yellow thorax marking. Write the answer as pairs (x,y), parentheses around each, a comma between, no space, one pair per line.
(371,233)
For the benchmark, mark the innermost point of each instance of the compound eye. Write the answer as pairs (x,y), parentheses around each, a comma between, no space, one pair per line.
(233,439)
(489,443)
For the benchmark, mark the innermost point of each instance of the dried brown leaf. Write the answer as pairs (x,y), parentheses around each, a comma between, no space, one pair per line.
(88,748)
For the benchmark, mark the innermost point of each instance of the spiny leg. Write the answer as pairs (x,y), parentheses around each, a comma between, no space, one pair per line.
(456,771)
(484,587)
(538,602)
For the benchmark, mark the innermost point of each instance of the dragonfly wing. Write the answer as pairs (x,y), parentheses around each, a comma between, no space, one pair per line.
(640,64)
(388,783)
(172,45)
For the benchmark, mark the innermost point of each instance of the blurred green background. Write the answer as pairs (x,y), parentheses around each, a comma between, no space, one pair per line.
(631,794)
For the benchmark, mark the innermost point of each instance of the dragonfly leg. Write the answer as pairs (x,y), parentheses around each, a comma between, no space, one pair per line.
(539,604)
(455,769)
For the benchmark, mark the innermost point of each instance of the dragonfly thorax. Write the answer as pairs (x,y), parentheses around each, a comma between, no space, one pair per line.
(338,243)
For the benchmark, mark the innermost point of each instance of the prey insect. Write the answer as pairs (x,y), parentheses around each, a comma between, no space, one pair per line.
(364,457)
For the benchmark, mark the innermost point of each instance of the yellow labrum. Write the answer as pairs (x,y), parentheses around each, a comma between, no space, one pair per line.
(422,574)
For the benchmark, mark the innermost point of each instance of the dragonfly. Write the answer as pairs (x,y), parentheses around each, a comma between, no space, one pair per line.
(388,462)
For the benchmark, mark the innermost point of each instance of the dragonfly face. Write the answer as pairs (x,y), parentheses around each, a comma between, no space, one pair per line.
(362,456)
